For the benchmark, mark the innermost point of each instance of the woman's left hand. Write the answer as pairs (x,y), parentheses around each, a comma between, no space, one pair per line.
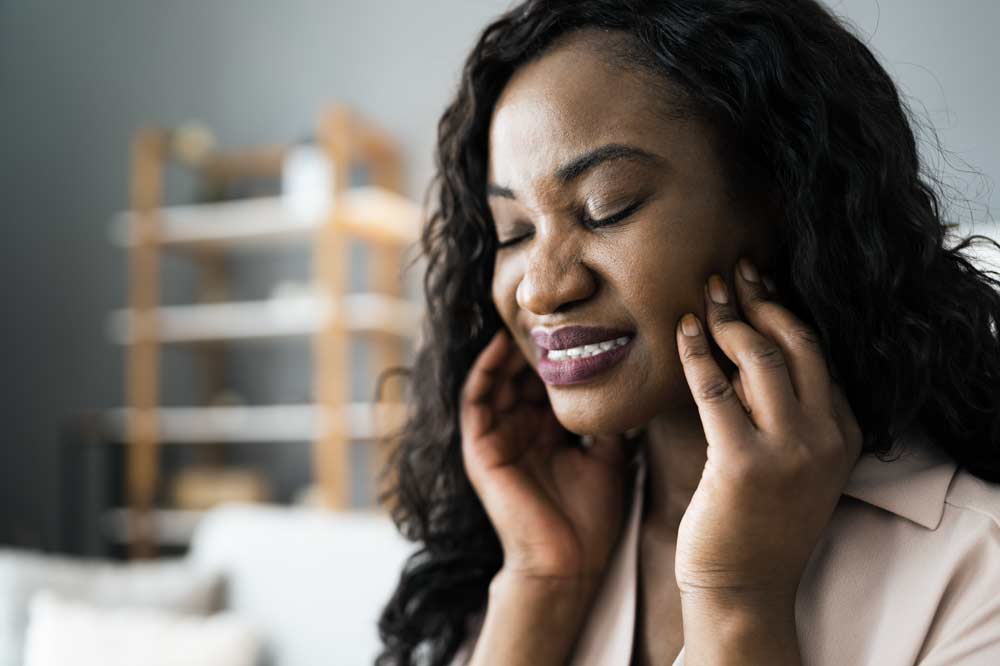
(782,441)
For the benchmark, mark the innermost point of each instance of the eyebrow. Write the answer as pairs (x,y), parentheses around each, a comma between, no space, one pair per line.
(584,163)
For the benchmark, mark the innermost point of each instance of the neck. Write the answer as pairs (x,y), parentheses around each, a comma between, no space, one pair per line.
(676,451)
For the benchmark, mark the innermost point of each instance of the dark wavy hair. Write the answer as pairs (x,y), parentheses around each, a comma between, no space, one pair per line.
(803,115)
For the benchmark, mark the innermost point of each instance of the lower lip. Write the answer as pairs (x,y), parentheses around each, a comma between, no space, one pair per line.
(578,370)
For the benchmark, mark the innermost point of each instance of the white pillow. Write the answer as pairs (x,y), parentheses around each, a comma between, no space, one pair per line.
(62,632)
(168,584)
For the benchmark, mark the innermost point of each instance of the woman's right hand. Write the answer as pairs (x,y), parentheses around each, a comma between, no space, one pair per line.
(558,509)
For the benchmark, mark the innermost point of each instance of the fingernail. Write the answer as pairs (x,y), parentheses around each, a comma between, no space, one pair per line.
(769,283)
(717,290)
(690,325)
(748,270)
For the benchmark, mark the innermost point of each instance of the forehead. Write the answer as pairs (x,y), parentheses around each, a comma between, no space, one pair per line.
(567,102)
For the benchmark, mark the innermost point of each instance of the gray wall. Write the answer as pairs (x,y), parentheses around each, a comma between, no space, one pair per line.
(946,59)
(77,78)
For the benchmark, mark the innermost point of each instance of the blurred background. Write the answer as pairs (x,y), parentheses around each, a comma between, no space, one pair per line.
(247,123)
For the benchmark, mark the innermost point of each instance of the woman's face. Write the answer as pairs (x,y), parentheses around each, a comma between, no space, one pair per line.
(575,140)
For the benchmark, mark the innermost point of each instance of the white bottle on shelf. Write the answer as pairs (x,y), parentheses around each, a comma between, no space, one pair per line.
(307,182)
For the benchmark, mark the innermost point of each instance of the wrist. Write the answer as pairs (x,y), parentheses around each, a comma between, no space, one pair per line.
(531,619)
(770,603)
(560,600)
(737,629)
(507,581)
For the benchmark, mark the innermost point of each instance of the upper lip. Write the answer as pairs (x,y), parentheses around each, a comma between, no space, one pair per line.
(575,336)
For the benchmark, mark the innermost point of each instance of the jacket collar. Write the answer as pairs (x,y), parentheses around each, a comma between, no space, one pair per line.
(912,485)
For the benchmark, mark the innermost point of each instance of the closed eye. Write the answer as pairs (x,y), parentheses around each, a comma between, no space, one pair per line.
(587,221)
(612,219)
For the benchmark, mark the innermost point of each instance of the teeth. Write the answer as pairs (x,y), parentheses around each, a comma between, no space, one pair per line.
(587,350)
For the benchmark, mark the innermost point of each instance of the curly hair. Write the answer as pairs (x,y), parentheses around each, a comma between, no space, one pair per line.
(803,115)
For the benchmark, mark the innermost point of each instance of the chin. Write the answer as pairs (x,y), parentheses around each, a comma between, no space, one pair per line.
(591,417)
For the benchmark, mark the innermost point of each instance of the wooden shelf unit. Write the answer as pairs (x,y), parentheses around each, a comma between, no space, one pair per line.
(376,214)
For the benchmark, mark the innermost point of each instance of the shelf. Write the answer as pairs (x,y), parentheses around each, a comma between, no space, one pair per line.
(269,423)
(312,215)
(273,318)
(371,213)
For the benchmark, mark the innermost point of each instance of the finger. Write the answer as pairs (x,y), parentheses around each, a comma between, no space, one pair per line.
(533,388)
(740,391)
(476,413)
(491,376)
(722,415)
(475,420)
(763,371)
(850,426)
(802,347)
(482,375)
(506,381)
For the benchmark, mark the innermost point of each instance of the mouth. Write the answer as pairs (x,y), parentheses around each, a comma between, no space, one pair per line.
(567,338)
(576,354)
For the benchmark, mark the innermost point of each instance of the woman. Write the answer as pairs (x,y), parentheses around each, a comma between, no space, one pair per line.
(702,380)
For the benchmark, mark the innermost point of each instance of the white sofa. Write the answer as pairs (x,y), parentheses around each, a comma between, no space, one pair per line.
(310,582)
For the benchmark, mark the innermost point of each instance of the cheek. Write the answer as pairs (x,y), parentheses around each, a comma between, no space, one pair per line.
(661,279)
(669,264)
(503,290)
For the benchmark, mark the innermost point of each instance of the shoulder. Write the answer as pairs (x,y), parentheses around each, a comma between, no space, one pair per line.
(970,529)
(966,629)
(919,524)
(975,500)
(916,544)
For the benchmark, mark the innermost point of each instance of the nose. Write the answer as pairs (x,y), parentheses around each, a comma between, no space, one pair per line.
(554,276)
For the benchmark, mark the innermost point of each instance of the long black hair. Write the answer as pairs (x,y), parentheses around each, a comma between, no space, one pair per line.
(803,115)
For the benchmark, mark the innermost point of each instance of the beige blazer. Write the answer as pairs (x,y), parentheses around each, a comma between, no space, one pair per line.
(907,572)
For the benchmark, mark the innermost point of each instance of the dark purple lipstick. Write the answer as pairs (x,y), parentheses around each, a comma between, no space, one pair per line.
(575,354)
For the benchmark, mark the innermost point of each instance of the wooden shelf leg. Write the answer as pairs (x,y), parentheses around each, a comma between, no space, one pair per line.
(385,272)
(142,361)
(332,367)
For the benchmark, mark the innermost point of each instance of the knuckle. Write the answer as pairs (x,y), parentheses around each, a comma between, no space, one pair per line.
(694,352)
(826,433)
(746,468)
(799,458)
(804,336)
(843,433)
(765,357)
(716,390)
(466,389)
(722,317)
(852,432)
(756,299)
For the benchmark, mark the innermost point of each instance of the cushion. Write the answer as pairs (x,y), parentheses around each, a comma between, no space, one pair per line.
(63,632)
(317,579)
(167,584)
